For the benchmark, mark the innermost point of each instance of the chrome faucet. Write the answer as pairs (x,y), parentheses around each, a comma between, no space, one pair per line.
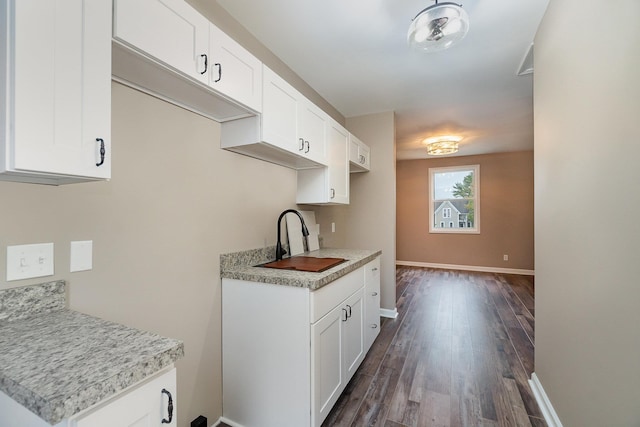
(305,232)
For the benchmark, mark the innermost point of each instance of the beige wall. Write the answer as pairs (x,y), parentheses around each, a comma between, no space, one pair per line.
(587,146)
(176,201)
(506,214)
(368,222)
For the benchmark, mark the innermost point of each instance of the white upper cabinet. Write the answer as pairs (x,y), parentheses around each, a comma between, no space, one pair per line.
(169,50)
(291,130)
(328,185)
(170,31)
(233,70)
(280,113)
(359,155)
(312,130)
(55,68)
(292,122)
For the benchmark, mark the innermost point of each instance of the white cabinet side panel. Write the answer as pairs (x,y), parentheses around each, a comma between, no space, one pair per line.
(265,354)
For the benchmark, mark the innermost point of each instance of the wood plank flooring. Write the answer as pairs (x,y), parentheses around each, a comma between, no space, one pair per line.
(459,354)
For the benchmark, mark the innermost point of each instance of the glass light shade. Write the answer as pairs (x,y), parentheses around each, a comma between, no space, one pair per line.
(438,27)
(441,145)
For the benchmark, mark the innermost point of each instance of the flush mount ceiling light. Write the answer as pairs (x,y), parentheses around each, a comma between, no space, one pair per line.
(438,27)
(441,145)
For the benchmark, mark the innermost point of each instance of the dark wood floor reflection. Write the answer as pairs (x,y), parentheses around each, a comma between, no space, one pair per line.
(459,354)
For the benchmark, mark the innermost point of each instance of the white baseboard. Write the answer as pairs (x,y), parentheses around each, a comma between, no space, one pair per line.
(226,421)
(467,268)
(391,314)
(544,403)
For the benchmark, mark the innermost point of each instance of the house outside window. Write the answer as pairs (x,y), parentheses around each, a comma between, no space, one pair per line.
(454,192)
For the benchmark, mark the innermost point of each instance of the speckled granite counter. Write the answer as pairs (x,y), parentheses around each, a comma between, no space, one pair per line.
(57,362)
(241,266)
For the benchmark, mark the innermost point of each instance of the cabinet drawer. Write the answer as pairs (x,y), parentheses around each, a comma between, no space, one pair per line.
(325,299)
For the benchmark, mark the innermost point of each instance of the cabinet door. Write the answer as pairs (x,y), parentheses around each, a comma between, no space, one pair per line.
(61,99)
(353,337)
(145,406)
(354,149)
(359,155)
(312,131)
(170,31)
(338,146)
(372,302)
(234,71)
(280,113)
(327,363)
(365,156)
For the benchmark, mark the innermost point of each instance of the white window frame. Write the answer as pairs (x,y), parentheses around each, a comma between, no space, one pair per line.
(476,205)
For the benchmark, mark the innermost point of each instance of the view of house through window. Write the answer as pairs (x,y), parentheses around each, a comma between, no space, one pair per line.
(454,199)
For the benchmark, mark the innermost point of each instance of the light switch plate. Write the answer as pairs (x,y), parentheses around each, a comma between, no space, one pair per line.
(81,258)
(27,261)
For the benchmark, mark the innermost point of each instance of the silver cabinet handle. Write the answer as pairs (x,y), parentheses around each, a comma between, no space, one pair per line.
(308,146)
(374,326)
(219,66)
(344,310)
(301,144)
(333,193)
(374,294)
(374,269)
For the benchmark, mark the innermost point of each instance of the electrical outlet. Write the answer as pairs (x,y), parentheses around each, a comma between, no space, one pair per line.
(81,256)
(505,257)
(27,261)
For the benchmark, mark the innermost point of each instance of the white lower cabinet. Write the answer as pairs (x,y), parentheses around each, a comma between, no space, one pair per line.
(288,352)
(150,403)
(371,302)
(337,349)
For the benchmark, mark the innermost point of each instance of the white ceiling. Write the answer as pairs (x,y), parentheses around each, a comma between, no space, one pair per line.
(354,54)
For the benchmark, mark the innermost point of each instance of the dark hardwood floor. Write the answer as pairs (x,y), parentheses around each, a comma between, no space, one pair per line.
(459,354)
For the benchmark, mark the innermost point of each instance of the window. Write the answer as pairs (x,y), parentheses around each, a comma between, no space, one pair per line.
(454,192)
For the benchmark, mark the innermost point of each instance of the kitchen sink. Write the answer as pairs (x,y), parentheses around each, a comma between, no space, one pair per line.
(304,263)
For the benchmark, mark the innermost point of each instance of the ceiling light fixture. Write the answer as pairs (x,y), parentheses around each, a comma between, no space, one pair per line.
(438,27)
(441,145)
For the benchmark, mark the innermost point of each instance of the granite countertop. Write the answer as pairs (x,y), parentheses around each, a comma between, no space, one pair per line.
(242,266)
(57,362)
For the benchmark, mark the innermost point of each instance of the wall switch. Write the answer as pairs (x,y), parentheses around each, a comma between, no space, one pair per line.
(27,261)
(333,227)
(81,258)
(505,257)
